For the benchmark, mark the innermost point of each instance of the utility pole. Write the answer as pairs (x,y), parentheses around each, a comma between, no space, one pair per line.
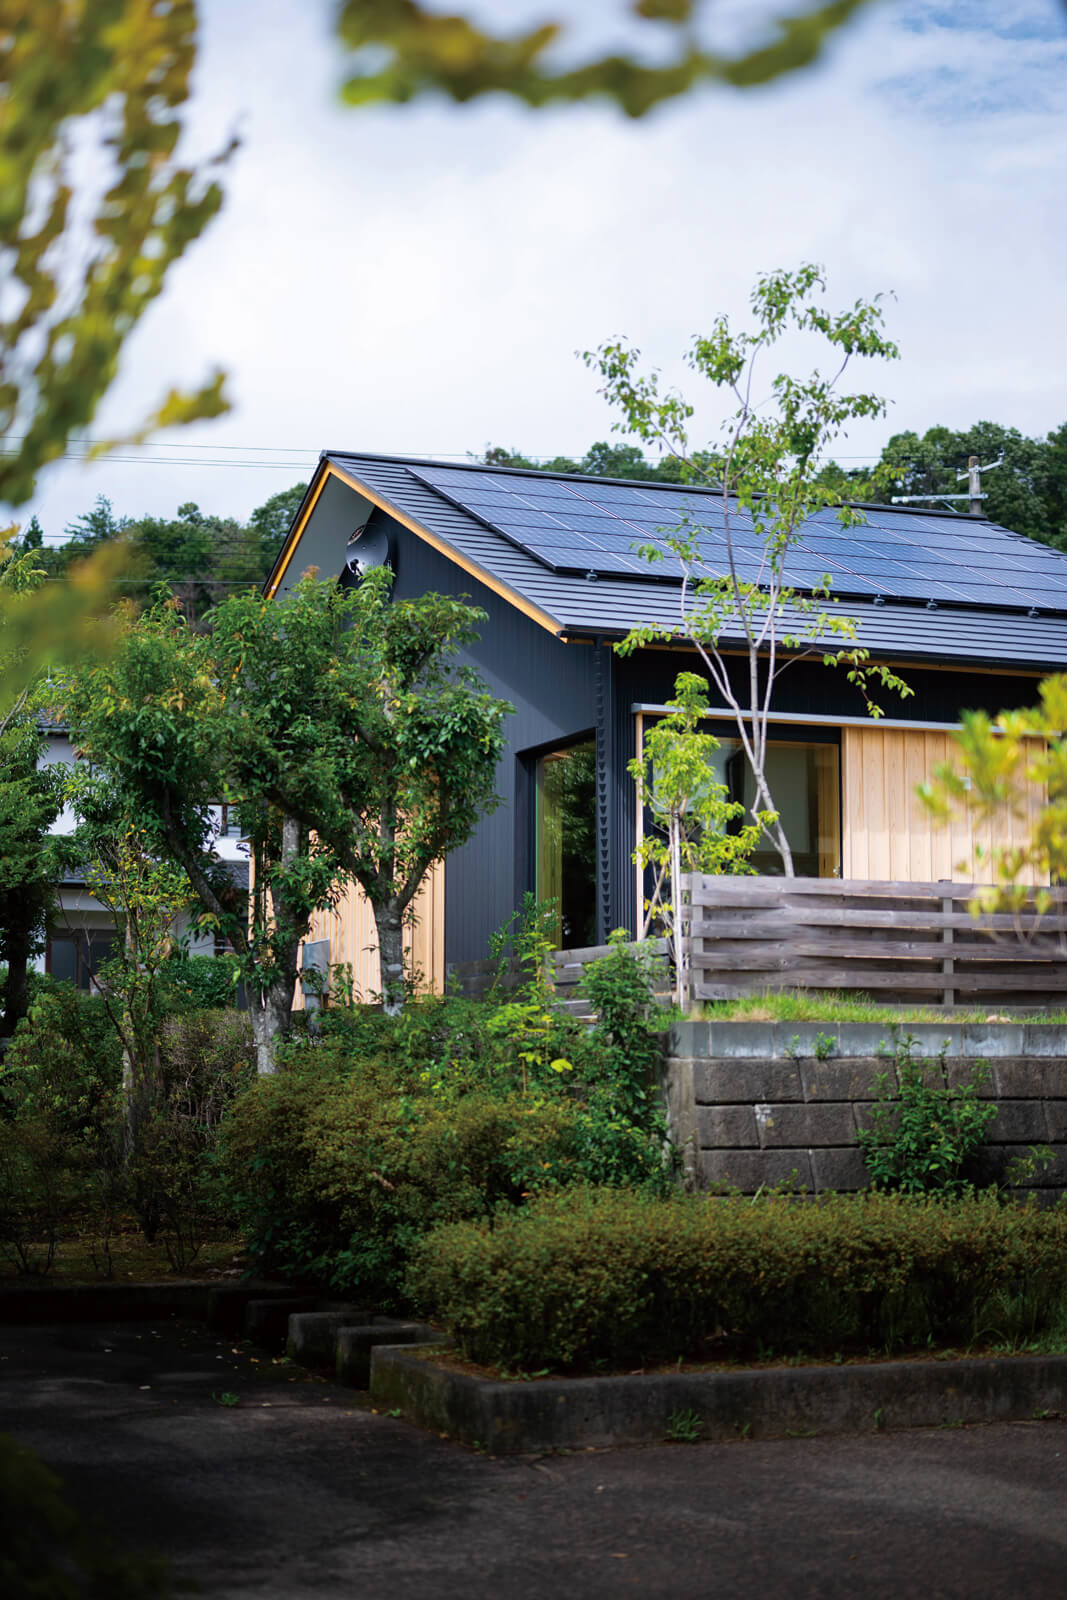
(974,495)
(974,483)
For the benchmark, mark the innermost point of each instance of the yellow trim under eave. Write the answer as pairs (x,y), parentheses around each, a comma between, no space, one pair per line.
(296,533)
(535,614)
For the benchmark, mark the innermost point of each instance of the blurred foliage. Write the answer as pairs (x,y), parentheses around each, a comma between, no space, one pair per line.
(106,77)
(50,1551)
(404,49)
(1000,762)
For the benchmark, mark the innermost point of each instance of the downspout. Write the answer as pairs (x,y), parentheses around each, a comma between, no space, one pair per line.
(605,762)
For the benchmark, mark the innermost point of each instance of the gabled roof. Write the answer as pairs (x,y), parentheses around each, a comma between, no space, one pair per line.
(924,585)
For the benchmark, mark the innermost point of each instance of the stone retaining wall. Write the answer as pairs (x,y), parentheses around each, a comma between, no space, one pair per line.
(752,1103)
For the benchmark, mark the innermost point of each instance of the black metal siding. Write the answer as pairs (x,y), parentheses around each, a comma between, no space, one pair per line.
(553,689)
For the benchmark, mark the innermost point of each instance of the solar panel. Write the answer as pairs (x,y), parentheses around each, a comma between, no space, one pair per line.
(587,526)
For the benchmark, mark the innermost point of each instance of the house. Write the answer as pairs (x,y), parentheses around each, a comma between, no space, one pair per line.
(81,934)
(970,614)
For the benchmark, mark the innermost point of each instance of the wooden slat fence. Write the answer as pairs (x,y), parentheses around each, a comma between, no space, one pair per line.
(475,979)
(899,942)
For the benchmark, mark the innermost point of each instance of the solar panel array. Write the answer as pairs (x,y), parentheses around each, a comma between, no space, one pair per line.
(582,526)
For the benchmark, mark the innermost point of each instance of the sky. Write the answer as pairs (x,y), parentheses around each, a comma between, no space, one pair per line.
(417,280)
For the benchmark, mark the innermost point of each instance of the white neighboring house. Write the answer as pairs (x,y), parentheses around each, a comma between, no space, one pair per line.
(82,932)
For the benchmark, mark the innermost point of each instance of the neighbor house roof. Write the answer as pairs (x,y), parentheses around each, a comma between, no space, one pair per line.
(925,585)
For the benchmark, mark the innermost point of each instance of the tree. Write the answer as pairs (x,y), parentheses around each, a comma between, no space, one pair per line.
(1001,759)
(768,486)
(1026,492)
(271,521)
(335,726)
(601,460)
(85,258)
(414,759)
(693,825)
(116,73)
(30,801)
(404,49)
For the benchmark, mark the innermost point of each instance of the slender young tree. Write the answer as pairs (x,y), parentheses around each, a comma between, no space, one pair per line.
(768,484)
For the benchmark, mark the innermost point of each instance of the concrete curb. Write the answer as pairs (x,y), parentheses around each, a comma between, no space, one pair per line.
(105,1302)
(355,1346)
(509,1418)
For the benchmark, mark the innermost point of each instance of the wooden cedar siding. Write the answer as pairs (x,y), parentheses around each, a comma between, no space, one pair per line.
(887,832)
(354,942)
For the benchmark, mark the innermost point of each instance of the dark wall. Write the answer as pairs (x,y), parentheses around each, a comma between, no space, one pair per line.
(938,694)
(553,689)
(555,692)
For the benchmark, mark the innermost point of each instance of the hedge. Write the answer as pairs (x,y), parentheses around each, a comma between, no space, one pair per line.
(607,1278)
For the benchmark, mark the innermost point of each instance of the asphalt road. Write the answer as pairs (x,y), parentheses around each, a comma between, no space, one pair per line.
(299,1490)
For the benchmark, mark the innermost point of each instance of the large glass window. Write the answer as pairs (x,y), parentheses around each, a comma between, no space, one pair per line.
(566,841)
(804,778)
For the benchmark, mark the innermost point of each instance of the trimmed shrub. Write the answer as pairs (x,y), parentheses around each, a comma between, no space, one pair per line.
(601,1277)
(336,1167)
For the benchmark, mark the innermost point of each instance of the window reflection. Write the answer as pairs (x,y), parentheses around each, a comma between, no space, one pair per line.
(566,841)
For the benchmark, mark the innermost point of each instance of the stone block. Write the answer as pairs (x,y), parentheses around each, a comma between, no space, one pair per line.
(1056,1120)
(844,1080)
(929,1037)
(312,1336)
(865,1039)
(744,1082)
(799,1040)
(964,1070)
(689,1038)
(992,1039)
(844,1170)
(791,1125)
(726,1127)
(267,1321)
(730,1039)
(354,1346)
(227,1303)
(1045,1039)
(749,1170)
(1019,1122)
(1031,1080)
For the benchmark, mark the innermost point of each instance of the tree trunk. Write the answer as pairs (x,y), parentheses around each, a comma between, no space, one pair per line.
(271,1008)
(269,1012)
(390,926)
(16,994)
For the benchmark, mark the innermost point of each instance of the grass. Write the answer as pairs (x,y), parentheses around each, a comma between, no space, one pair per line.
(795,1007)
(133,1260)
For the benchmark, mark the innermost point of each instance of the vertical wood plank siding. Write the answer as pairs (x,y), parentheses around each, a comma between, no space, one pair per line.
(353,941)
(889,834)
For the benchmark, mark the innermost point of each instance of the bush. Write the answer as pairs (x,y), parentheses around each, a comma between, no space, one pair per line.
(924,1130)
(202,983)
(206,1061)
(336,1165)
(60,1127)
(68,1165)
(592,1278)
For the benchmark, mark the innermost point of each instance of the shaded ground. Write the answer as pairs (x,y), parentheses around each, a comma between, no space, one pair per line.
(298,1491)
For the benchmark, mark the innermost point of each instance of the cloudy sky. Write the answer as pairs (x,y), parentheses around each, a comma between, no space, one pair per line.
(417,280)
